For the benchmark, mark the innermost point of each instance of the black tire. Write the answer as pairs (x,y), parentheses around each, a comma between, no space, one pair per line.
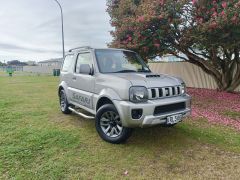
(63,102)
(169,125)
(121,133)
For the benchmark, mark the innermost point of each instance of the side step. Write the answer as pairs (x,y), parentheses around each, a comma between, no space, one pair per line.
(81,114)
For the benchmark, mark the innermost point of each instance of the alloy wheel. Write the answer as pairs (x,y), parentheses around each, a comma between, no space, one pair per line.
(111,124)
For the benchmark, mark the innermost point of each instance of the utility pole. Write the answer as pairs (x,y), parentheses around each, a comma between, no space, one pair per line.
(63,45)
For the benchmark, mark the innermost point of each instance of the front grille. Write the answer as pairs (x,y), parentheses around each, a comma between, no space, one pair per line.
(169,108)
(155,93)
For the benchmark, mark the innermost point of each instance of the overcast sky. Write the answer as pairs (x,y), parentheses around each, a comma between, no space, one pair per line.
(31,29)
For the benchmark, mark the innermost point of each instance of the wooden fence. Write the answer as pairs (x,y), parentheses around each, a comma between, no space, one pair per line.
(192,75)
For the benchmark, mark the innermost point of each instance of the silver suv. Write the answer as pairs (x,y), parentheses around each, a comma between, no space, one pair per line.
(117,89)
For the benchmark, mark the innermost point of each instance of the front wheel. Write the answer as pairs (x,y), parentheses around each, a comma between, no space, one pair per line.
(169,125)
(109,125)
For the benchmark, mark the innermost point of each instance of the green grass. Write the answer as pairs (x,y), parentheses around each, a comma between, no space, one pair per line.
(38,142)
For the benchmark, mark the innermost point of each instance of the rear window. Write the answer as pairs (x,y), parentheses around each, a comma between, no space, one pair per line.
(67,63)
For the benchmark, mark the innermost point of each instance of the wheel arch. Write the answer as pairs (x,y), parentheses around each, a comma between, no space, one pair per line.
(59,90)
(102,101)
(62,86)
(106,96)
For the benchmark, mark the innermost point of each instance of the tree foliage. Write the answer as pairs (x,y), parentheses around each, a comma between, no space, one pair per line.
(1,64)
(16,63)
(206,31)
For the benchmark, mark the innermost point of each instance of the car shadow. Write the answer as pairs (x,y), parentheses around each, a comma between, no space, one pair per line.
(157,136)
(164,137)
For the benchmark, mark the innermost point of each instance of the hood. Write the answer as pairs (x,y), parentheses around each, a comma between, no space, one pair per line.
(150,79)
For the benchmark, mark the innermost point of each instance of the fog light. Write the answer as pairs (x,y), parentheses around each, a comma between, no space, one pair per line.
(137,113)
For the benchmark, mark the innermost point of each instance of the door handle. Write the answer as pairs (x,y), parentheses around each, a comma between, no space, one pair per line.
(74,78)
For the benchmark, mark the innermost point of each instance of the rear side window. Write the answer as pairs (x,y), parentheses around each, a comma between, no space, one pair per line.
(83,58)
(67,63)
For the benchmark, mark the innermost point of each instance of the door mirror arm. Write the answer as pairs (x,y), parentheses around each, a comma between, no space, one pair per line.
(92,70)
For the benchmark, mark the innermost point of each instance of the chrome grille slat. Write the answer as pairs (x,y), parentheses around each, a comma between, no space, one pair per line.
(170,91)
(176,90)
(164,92)
(149,94)
(157,93)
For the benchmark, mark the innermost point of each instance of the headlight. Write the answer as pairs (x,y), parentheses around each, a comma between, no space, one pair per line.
(183,88)
(138,94)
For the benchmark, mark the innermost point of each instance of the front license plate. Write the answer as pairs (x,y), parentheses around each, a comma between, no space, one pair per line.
(174,119)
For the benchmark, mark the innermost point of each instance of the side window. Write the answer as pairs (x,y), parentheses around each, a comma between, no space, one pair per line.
(83,58)
(67,63)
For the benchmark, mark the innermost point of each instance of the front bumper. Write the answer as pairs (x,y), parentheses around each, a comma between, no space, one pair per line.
(148,118)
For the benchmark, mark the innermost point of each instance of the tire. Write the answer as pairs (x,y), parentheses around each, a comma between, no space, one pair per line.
(64,103)
(107,118)
(169,125)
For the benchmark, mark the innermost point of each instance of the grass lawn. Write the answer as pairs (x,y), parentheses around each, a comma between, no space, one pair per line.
(38,142)
(20,73)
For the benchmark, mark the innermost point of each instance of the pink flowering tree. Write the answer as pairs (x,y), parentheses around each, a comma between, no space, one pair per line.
(206,31)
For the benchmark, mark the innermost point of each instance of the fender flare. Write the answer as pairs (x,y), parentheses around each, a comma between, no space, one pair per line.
(107,93)
(63,86)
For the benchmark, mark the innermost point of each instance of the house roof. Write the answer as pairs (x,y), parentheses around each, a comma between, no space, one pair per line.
(56,60)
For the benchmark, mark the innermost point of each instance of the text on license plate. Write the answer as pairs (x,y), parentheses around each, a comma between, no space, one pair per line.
(174,119)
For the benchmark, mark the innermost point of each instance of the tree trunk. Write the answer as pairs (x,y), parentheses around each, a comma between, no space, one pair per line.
(227,81)
(226,76)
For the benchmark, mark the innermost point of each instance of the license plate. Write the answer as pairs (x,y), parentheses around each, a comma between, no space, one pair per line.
(174,119)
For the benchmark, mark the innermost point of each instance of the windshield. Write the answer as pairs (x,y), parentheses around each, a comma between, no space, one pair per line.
(117,61)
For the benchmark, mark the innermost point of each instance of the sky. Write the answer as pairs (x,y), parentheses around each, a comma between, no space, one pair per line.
(31,29)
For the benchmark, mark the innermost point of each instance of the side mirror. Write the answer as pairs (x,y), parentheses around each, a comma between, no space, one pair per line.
(85,69)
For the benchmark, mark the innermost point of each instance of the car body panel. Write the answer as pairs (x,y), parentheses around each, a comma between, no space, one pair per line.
(84,91)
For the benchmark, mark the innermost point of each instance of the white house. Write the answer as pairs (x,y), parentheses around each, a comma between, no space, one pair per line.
(51,62)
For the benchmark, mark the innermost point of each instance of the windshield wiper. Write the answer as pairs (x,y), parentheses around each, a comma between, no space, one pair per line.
(124,71)
(143,70)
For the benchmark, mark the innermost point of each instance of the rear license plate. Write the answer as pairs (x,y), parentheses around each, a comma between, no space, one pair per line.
(174,119)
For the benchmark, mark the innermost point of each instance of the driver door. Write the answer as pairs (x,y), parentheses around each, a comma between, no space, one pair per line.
(82,85)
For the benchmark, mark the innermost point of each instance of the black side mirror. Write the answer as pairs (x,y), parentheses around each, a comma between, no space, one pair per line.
(85,69)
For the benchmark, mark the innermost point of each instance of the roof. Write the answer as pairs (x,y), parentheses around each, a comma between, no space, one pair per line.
(84,48)
(52,60)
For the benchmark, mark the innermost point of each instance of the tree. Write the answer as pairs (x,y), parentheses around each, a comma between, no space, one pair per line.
(1,64)
(206,31)
(16,63)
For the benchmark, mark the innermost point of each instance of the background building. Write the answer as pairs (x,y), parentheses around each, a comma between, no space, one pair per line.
(51,62)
